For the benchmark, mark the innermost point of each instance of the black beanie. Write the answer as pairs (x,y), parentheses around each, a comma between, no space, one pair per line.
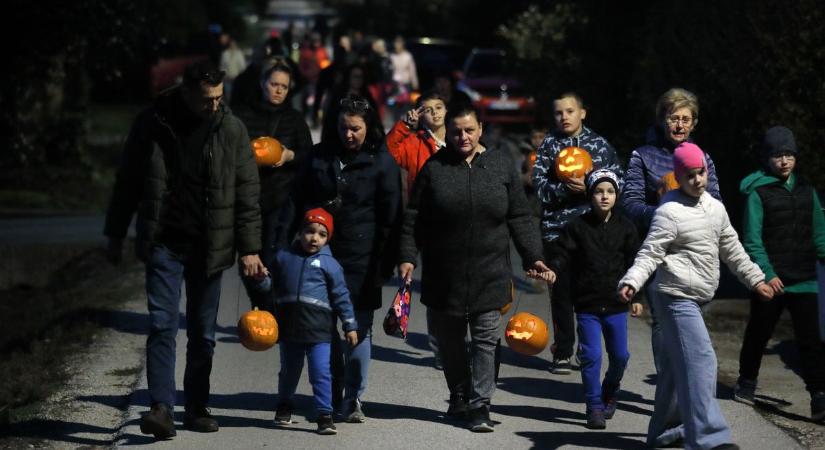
(778,140)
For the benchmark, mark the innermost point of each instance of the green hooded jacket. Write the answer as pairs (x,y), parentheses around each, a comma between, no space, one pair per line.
(752,227)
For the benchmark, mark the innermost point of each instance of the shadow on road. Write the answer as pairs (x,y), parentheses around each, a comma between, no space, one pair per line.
(60,431)
(585,439)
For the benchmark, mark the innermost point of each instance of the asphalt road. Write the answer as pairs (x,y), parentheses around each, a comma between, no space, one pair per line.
(406,398)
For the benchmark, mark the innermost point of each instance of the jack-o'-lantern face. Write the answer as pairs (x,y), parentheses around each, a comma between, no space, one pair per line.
(573,162)
(526,334)
(267,151)
(667,183)
(258,330)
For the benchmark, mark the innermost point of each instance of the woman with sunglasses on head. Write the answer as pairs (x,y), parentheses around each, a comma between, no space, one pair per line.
(353,177)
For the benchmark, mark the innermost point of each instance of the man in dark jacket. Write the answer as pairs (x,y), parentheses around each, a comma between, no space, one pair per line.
(187,168)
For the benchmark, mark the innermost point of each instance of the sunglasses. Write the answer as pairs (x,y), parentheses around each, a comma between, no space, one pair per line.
(360,105)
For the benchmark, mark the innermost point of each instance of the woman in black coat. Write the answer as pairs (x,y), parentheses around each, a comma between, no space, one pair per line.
(467,203)
(271,115)
(353,177)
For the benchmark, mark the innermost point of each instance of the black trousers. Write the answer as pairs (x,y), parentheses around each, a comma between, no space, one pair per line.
(762,321)
(561,308)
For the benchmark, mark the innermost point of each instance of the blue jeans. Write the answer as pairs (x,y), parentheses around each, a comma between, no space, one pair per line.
(292,363)
(685,404)
(590,330)
(350,365)
(165,273)
(471,374)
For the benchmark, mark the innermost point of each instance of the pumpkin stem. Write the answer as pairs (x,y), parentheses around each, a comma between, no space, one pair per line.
(255,308)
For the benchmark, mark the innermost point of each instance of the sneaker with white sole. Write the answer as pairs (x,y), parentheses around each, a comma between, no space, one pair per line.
(356,415)
(560,366)
(744,391)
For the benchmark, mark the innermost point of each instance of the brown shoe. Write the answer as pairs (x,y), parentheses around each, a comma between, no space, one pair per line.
(158,422)
(198,418)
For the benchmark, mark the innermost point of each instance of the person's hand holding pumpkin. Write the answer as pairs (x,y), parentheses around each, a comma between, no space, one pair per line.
(576,185)
(777,285)
(636,309)
(352,338)
(626,293)
(764,290)
(287,155)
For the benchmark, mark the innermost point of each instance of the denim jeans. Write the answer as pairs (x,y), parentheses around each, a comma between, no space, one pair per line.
(655,328)
(292,364)
(685,404)
(350,365)
(590,329)
(473,374)
(166,271)
(275,230)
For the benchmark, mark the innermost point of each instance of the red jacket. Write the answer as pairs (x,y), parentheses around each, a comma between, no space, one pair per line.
(410,149)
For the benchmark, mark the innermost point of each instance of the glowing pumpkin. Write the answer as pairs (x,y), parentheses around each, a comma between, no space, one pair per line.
(504,309)
(573,162)
(267,150)
(258,330)
(526,334)
(667,183)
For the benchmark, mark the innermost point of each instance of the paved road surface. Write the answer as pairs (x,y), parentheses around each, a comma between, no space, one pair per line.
(406,399)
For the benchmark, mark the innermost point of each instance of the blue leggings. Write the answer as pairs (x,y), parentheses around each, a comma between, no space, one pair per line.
(292,364)
(590,330)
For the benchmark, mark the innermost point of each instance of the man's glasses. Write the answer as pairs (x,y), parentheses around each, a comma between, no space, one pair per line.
(360,105)
(676,120)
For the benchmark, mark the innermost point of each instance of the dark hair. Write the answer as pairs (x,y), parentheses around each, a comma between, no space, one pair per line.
(573,95)
(275,65)
(429,95)
(461,110)
(202,72)
(356,105)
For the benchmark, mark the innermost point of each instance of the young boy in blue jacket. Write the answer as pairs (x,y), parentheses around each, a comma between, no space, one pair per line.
(308,285)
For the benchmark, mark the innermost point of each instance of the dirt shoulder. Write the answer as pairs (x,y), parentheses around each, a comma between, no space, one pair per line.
(781,395)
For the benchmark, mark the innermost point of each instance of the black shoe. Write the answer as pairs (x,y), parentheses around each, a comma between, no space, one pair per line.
(326,425)
(480,420)
(818,406)
(595,419)
(283,414)
(158,422)
(744,391)
(560,366)
(198,418)
(610,406)
(726,447)
(458,407)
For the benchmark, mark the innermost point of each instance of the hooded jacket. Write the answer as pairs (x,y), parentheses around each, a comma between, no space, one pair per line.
(645,169)
(784,229)
(309,290)
(461,217)
(559,205)
(151,176)
(687,238)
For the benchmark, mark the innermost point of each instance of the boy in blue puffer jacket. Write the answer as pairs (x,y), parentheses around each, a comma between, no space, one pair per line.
(308,285)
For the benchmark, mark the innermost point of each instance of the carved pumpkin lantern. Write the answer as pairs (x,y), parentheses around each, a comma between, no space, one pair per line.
(258,330)
(667,183)
(573,162)
(526,334)
(267,151)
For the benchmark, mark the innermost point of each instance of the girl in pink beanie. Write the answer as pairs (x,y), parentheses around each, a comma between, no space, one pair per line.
(689,234)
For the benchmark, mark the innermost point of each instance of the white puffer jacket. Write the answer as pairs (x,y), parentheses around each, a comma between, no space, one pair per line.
(687,238)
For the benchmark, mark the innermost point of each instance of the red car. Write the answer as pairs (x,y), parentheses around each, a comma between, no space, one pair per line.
(495,92)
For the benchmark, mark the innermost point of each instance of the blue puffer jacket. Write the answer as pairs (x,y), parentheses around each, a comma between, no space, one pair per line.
(559,205)
(645,169)
(308,289)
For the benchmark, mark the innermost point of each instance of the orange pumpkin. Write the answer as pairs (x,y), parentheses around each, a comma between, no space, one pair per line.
(504,309)
(526,334)
(267,150)
(258,330)
(667,183)
(573,162)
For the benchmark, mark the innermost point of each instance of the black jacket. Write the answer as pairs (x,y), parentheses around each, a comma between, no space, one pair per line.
(364,199)
(462,217)
(596,254)
(151,174)
(289,128)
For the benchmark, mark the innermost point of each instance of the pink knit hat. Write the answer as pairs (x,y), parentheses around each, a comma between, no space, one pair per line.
(687,156)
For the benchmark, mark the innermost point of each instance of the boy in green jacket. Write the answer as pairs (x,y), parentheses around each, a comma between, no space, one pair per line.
(784,233)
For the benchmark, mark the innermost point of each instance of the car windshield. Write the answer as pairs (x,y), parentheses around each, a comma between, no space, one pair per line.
(486,65)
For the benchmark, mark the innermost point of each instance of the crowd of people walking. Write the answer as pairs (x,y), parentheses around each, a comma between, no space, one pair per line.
(435,193)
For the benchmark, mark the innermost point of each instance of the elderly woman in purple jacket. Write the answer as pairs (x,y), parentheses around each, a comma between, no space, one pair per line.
(677,114)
